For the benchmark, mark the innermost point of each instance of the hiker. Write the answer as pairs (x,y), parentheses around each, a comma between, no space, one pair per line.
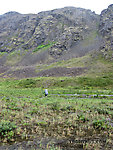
(46,92)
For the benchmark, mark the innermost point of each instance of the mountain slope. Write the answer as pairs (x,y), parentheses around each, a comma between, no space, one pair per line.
(31,44)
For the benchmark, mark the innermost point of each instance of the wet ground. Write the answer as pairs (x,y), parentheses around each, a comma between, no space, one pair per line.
(53,144)
(87,96)
(45,143)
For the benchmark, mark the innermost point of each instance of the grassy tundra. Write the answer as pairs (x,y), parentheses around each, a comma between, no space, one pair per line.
(78,122)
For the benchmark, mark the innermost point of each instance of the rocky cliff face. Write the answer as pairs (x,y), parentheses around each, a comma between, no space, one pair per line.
(106,31)
(64,27)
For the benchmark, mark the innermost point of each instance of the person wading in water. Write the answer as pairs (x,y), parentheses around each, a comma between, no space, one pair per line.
(46,92)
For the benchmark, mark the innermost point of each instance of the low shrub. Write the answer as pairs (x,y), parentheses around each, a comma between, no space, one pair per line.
(55,106)
(99,124)
(6,128)
(101,111)
(82,118)
(28,83)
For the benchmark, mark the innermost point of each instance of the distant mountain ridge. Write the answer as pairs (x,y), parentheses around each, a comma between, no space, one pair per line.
(29,31)
(50,36)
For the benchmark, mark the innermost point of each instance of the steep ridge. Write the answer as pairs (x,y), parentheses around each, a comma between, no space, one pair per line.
(63,26)
(106,30)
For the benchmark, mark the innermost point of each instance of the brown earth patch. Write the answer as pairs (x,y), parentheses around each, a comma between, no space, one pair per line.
(23,72)
(61,71)
(30,71)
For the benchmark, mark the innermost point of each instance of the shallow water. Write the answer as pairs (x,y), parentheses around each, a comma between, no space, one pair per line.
(86,96)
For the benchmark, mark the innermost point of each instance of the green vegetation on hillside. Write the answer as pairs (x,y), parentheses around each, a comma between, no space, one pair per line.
(2,53)
(43,46)
(94,63)
(104,82)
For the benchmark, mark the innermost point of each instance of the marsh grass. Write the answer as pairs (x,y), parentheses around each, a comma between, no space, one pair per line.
(25,114)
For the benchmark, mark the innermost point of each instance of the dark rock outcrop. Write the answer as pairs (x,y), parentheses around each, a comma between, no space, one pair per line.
(106,31)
